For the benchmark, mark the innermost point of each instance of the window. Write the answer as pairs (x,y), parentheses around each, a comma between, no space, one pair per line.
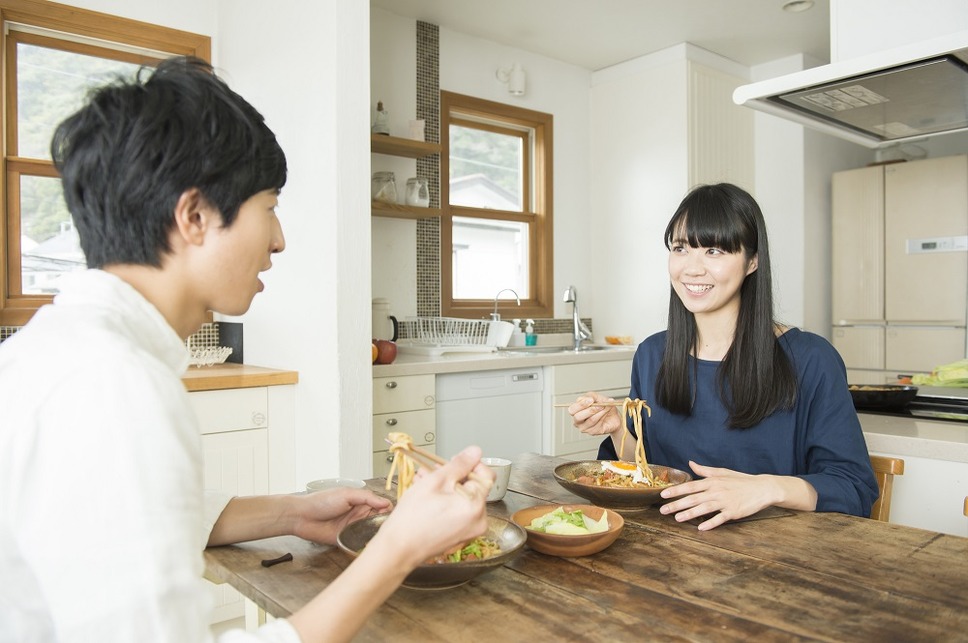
(53,54)
(496,214)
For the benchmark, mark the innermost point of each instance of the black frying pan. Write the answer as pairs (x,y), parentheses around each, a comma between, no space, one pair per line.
(882,396)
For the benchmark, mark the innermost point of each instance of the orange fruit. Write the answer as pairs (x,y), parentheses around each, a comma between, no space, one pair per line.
(375,352)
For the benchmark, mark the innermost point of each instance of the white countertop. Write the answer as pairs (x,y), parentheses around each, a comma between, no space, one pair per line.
(408,364)
(913,436)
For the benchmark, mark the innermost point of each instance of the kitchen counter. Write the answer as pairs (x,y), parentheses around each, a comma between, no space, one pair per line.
(917,437)
(410,364)
(228,376)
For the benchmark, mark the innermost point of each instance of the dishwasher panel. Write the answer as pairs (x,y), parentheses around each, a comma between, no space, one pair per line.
(500,411)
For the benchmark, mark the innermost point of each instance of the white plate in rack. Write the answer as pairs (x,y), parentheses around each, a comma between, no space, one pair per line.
(434,350)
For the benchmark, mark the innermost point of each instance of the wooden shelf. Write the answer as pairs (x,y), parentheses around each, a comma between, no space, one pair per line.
(404,147)
(397,211)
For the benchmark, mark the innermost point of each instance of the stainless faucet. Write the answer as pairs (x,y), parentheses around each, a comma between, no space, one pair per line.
(495,316)
(580,331)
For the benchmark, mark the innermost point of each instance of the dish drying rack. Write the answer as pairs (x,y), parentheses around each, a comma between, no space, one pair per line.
(439,335)
(206,355)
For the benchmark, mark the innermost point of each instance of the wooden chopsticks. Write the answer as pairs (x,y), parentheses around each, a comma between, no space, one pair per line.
(564,406)
(432,460)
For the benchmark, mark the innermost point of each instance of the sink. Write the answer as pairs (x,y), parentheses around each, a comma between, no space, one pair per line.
(557,349)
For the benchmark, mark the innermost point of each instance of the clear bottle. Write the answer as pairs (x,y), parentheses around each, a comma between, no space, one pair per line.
(383,187)
(381,125)
(418,192)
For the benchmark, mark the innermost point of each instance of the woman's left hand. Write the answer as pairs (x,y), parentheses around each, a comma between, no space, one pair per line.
(722,494)
(323,514)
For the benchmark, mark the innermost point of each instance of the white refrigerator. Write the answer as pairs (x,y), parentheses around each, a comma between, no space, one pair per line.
(900,267)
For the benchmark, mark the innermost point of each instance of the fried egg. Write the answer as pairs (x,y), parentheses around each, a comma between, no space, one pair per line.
(622,468)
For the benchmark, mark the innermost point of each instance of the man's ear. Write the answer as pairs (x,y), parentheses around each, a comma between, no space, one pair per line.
(754,263)
(193,216)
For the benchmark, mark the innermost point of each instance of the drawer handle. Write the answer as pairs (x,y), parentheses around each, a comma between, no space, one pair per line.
(390,458)
(258,418)
(391,384)
(392,422)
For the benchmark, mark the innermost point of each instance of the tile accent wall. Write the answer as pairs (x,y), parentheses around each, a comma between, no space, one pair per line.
(7,331)
(428,108)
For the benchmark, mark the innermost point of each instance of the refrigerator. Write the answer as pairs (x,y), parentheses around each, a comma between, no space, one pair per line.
(900,267)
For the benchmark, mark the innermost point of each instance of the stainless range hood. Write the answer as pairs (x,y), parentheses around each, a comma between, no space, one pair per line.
(877,100)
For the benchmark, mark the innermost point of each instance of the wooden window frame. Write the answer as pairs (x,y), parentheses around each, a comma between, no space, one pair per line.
(480,113)
(78,31)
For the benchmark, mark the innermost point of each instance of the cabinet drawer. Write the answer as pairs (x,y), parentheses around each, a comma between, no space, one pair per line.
(419,425)
(383,459)
(569,441)
(408,393)
(593,376)
(231,409)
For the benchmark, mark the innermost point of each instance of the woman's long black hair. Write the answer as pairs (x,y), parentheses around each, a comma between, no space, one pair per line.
(756,377)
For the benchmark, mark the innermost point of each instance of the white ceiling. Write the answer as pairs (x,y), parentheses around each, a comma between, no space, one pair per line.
(599,33)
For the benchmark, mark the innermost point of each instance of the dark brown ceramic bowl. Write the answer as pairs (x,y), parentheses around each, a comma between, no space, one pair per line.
(569,545)
(509,536)
(615,498)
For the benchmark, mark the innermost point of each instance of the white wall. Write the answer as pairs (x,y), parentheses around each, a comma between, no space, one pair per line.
(393,78)
(639,174)
(305,67)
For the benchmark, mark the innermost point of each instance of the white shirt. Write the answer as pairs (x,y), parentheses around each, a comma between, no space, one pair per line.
(103,518)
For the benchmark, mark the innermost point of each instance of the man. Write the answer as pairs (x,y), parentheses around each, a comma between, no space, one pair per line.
(172,182)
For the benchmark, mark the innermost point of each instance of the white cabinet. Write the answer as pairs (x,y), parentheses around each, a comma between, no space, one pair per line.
(567,382)
(243,456)
(406,404)
(930,494)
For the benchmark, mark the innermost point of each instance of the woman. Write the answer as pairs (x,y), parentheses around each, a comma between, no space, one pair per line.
(759,412)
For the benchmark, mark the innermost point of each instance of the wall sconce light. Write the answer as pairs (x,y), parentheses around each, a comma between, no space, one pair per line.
(514,78)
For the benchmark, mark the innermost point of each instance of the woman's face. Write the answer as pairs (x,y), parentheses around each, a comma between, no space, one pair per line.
(708,280)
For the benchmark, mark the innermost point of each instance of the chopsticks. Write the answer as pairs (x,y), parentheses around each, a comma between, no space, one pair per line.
(564,406)
(432,460)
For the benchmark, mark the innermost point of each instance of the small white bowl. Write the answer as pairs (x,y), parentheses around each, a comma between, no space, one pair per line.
(333,483)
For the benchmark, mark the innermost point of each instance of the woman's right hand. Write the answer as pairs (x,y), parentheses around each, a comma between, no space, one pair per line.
(596,420)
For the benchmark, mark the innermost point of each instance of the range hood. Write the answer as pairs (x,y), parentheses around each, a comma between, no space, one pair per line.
(880,99)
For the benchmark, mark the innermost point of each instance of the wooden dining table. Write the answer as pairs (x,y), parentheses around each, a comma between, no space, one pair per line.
(789,576)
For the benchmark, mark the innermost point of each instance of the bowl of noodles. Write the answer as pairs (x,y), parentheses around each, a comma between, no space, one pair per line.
(600,485)
(502,541)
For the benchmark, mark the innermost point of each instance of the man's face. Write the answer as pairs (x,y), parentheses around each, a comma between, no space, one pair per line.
(242,251)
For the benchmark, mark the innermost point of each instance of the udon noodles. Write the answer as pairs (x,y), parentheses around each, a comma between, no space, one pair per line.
(607,478)
(403,465)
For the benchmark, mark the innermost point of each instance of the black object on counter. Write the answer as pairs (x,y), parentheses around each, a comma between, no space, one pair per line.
(882,396)
(275,561)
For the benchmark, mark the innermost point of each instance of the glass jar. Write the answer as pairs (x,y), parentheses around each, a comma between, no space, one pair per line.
(418,192)
(383,187)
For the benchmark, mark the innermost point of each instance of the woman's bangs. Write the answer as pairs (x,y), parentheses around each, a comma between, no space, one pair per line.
(705,227)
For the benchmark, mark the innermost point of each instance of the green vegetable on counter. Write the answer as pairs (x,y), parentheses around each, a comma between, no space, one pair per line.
(572,523)
(953,374)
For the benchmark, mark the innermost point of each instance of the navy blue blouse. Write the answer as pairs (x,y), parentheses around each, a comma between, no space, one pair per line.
(819,439)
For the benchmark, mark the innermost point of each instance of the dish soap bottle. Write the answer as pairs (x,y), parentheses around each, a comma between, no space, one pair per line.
(530,339)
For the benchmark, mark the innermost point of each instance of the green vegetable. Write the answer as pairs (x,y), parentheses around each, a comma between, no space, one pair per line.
(575,522)
(953,374)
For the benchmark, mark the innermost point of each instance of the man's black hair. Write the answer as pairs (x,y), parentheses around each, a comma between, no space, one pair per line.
(127,156)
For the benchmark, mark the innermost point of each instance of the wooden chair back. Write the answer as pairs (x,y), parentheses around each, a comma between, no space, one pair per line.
(885,468)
